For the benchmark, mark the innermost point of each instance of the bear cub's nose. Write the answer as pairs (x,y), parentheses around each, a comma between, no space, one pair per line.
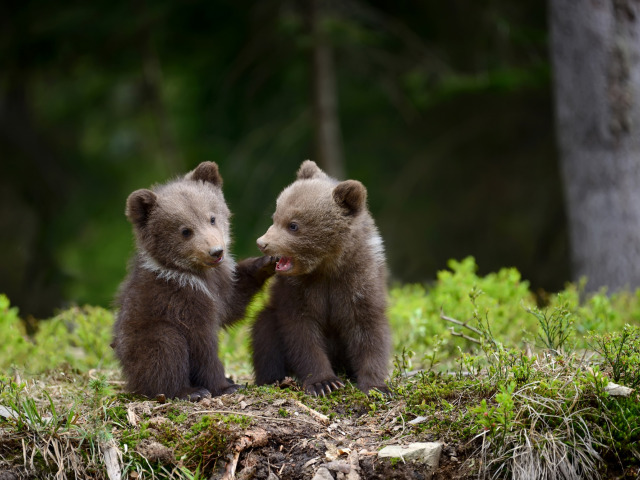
(216,252)
(261,244)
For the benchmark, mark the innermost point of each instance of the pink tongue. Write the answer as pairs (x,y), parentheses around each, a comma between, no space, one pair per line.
(284,264)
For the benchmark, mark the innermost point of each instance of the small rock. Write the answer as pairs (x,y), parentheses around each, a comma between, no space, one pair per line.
(322,474)
(418,420)
(6,412)
(343,467)
(616,390)
(427,453)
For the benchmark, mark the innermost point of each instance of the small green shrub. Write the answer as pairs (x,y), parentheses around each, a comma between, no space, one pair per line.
(620,352)
(556,327)
(78,337)
(16,348)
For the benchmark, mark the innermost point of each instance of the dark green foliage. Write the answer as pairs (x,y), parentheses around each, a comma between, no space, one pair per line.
(445,117)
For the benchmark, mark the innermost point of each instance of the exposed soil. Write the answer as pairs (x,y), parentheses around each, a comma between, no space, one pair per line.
(256,433)
(288,440)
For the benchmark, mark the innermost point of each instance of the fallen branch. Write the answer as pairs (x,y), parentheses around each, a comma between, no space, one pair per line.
(112,460)
(319,416)
(230,469)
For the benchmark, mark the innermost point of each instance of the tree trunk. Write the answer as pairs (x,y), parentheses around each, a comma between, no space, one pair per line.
(595,50)
(325,100)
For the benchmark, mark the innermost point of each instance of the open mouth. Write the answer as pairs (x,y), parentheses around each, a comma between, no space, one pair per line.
(284,264)
(214,261)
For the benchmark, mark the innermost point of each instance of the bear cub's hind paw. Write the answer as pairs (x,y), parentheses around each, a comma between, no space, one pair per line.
(194,394)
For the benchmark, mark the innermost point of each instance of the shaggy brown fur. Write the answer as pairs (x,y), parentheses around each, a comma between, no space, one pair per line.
(183,285)
(327,304)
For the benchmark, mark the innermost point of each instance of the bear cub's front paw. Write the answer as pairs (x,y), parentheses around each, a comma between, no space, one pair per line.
(324,387)
(264,267)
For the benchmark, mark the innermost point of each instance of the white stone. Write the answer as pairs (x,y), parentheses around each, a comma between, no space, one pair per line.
(6,412)
(424,452)
(616,390)
(418,420)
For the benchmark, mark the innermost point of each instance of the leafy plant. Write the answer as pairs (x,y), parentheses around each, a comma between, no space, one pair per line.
(620,352)
(16,349)
(556,327)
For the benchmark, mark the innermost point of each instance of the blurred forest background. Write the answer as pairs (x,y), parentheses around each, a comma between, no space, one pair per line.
(444,110)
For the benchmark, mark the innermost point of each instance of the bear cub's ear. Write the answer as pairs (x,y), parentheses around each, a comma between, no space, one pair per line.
(309,169)
(207,172)
(139,206)
(351,196)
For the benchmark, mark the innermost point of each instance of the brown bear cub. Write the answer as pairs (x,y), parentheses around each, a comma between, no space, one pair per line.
(327,305)
(182,287)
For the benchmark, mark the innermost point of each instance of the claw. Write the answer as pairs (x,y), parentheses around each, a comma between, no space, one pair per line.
(337,385)
(324,387)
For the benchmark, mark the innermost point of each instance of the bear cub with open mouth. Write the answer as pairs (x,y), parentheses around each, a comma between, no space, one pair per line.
(182,287)
(326,310)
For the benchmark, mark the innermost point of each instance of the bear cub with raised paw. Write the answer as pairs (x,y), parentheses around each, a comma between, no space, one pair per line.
(326,310)
(182,287)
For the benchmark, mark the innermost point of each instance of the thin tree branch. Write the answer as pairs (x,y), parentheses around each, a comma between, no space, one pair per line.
(458,322)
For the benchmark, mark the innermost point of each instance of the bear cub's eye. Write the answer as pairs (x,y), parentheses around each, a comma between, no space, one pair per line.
(293,226)
(213,220)
(186,232)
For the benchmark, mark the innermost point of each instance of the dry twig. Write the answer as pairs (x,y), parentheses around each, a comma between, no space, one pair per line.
(319,416)
(463,325)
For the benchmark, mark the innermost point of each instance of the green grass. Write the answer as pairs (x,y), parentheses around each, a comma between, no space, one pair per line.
(519,378)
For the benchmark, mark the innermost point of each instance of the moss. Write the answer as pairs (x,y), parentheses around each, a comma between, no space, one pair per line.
(176,415)
(282,412)
(117,414)
(207,442)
